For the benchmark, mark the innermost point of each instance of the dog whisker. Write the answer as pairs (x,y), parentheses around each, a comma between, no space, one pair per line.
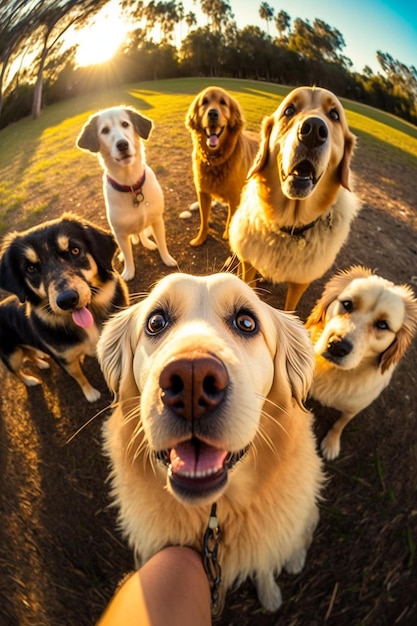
(87,423)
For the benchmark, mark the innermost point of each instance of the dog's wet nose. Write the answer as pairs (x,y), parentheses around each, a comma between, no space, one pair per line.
(67,300)
(313,132)
(122,145)
(213,116)
(339,347)
(193,383)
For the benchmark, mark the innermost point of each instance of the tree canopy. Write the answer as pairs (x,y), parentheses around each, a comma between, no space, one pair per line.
(163,41)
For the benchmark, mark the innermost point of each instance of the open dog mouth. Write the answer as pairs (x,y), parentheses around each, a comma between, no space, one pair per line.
(213,137)
(304,172)
(196,468)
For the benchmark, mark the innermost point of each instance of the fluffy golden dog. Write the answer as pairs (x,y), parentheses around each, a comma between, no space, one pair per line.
(133,196)
(360,329)
(296,207)
(209,384)
(222,153)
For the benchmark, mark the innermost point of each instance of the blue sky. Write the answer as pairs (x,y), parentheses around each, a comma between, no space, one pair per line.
(366,25)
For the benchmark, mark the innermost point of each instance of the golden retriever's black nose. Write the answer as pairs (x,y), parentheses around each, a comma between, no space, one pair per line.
(339,347)
(193,383)
(213,116)
(313,132)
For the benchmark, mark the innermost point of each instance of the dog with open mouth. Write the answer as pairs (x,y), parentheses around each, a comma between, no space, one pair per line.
(223,152)
(297,205)
(209,424)
(133,196)
(62,274)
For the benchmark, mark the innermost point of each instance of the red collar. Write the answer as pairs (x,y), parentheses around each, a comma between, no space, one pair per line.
(137,187)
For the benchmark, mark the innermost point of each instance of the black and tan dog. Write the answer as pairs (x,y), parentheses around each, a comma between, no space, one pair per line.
(61,272)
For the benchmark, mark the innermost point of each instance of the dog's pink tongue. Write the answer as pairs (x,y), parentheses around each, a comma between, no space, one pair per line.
(213,140)
(188,458)
(82,317)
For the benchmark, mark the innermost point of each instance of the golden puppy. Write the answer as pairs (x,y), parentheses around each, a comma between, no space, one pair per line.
(296,207)
(360,329)
(209,383)
(222,153)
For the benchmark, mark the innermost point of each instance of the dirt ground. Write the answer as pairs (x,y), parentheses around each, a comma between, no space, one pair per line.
(61,553)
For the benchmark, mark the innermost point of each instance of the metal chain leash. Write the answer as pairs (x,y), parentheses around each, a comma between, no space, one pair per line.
(212,540)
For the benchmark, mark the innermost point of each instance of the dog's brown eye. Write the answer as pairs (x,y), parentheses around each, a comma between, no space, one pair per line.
(347,305)
(75,251)
(334,114)
(289,111)
(125,124)
(156,323)
(245,322)
(105,130)
(381,325)
(31,268)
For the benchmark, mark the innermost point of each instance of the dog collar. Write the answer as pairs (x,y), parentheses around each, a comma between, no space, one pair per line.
(297,232)
(135,190)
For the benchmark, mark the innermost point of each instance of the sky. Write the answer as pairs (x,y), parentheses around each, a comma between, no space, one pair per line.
(366,25)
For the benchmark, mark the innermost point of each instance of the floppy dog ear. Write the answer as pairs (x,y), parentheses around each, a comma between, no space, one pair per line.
(237,121)
(102,246)
(142,125)
(350,142)
(405,335)
(335,286)
(115,347)
(293,355)
(262,155)
(10,275)
(88,138)
(191,115)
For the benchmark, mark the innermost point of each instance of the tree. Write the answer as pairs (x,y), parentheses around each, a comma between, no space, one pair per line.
(18,19)
(218,12)
(266,12)
(55,20)
(282,22)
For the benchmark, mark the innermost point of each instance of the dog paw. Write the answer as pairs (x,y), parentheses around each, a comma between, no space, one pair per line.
(170,261)
(91,394)
(296,563)
(268,591)
(330,446)
(128,274)
(30,381)
(197,241)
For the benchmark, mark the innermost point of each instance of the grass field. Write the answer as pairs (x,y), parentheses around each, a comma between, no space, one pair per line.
(40,165)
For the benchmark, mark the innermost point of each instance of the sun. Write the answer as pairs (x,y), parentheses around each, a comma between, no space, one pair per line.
(99,42)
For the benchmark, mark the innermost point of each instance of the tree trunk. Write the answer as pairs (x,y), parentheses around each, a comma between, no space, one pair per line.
(37,94)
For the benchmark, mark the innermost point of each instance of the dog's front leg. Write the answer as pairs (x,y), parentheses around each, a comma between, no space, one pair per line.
(158,228)
(74,369)
(204,205)
(125,246)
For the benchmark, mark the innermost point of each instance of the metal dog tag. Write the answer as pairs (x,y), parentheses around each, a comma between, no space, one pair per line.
(138,198)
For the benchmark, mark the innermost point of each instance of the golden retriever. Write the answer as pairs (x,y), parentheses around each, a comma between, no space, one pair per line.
(133,196)
(209,383)
(360,329)
(296,207)
(222,153)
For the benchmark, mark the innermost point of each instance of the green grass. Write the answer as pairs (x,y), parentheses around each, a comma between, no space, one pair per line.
(41,167)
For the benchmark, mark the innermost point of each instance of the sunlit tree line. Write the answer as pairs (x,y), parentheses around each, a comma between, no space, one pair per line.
(164,42)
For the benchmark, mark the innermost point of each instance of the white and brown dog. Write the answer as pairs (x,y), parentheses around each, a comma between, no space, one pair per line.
(133,196)
(360,328)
